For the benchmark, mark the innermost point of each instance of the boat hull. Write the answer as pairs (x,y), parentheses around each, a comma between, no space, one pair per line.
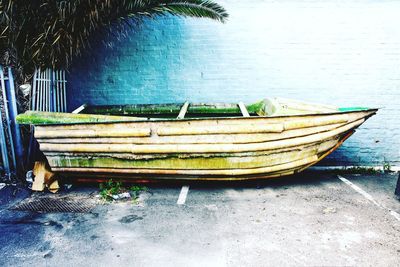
(201,149)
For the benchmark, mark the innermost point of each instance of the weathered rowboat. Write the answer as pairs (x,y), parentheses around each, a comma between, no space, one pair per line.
(270,138)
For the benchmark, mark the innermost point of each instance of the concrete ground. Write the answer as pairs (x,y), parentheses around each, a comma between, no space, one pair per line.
(312,219)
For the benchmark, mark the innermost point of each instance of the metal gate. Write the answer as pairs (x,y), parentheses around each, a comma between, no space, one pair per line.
(49,91)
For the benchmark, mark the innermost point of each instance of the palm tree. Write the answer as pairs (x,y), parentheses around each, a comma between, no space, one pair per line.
(51,33)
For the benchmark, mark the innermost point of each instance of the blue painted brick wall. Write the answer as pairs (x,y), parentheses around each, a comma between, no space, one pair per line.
(345,53)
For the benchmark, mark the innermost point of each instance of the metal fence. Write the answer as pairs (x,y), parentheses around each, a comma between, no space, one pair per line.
(48,94)
(10,134)
(49,91)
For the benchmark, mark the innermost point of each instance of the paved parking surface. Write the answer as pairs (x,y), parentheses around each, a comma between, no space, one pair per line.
(313,219)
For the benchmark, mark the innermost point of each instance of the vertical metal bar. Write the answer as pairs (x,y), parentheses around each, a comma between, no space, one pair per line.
(45,90)
(58,92)
(15,126)
(3,143)
(43,96)
(64,82)
(33,91)
(7,114)
(49,95)
(38,90)
(46,94)
(61,91)
(42,92)
(3,147)
(48,89)
(40,95)
(53,91)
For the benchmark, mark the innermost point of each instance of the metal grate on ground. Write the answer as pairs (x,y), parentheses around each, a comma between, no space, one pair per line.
(49,205)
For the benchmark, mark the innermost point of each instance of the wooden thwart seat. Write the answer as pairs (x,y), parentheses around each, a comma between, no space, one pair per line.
(243,109)
(183,111)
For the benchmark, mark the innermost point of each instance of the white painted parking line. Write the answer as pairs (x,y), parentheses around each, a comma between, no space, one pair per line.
(369,197)
(183,195)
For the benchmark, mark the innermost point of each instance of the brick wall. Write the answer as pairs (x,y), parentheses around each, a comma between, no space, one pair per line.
(345,53)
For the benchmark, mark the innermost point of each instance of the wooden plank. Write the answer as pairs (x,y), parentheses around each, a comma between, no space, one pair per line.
(44,177)
(167,109)
(197,139)
(39,170)
(305,106)
(198,162)
(79,109)
(296,122)
(132,132)
(229,172)
(323,154)
(139,156)
(148,178)
(183,110)
(211,138)
(196,148)
(222,129)
(41,117)
(243,109)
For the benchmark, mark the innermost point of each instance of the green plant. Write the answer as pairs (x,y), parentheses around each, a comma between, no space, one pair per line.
(136,189)
(110,188)
(358,170)
(386,167)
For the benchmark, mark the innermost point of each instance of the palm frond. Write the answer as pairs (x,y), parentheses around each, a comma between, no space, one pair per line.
(195,8)
(51,33)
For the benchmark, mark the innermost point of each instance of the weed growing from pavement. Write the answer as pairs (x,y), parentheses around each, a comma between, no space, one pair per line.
(359,170)
(110,189)
(386,167)
(136,189)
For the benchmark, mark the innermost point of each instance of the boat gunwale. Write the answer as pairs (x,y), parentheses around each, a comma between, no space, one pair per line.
(374,110)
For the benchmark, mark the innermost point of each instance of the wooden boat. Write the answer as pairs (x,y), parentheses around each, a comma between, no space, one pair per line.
(270,138)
